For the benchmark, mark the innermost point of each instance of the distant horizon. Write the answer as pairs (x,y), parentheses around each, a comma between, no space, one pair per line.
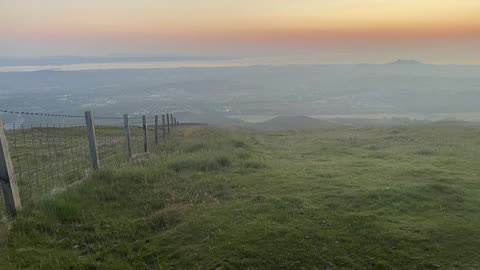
(211,57)
(59,61)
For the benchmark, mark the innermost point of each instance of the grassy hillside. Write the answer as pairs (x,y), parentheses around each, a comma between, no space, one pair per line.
(333,198)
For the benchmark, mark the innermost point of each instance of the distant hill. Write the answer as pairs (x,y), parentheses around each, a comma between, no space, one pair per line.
(208,118)
(292,122)
(406,62)
(277,123)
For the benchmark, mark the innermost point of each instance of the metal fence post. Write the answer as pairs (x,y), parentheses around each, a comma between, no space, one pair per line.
(163,126)
(127,136)
(145,137)
(7,176)
(92,140)
(168,123)
(156,129)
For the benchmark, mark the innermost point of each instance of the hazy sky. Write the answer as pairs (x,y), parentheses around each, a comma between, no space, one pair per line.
(334,31)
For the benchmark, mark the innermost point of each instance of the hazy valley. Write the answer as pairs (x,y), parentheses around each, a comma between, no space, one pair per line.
(400,90)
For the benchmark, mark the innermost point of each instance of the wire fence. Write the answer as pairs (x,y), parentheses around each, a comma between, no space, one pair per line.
(51,152)
(110,140)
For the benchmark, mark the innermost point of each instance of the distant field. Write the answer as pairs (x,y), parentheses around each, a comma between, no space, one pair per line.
(472,116)
(333,198)
(253,118)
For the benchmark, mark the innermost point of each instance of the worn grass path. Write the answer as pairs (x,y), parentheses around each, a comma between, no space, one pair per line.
(337,198)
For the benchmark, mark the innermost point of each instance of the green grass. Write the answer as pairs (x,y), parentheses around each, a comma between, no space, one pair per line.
(49,159)
(336,198)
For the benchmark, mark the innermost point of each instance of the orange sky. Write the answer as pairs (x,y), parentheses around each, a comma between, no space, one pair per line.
(232,26)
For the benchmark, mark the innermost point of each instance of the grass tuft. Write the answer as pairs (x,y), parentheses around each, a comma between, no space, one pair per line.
(253,164)
(200,163)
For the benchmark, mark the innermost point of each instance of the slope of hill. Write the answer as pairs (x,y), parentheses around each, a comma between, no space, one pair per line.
(331,198)
(292,122)
(208,118)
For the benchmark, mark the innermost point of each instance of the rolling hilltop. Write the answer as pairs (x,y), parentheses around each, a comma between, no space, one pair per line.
(217,198)
(292,122)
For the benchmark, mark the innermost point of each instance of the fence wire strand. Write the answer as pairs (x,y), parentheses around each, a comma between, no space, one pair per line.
(111,145)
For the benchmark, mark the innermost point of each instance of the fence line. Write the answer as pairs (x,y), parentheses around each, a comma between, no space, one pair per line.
(43,153)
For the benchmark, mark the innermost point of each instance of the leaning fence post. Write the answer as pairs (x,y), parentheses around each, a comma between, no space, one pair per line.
(145,139)
(92,140)
(127,136)
(163,126)
(168,123)
(156,129)
(7,176)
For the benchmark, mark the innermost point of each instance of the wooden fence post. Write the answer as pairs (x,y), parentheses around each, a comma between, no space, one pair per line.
(127,136)
(92,140)
(145,137)
(171,119)
(163,126)
(7,176)
(168,123)
(156,129)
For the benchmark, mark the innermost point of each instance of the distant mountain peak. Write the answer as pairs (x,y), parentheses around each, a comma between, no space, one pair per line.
(406,62)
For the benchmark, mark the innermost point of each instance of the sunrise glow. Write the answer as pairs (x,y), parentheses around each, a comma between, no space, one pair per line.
(231,26)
